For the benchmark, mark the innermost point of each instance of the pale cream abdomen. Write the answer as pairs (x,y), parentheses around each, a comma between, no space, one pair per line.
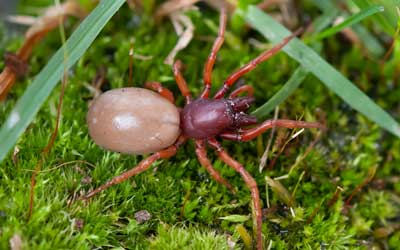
(133,121)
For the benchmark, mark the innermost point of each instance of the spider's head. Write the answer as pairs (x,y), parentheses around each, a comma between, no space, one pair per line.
(205,118)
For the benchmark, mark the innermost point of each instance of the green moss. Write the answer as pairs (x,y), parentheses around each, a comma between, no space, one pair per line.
(185,204)
(189,238)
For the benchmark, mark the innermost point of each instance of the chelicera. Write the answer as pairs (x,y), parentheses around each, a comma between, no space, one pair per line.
(138,121)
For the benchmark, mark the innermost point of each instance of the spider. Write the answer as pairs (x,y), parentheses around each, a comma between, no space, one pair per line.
(138,121)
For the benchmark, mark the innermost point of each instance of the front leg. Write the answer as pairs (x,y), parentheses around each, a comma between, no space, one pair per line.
(253,64)
(250,134)
(248,89)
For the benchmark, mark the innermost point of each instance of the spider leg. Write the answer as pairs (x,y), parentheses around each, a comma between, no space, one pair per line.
(250,183)
(205,162)
(242,89)
(141,167)
(249,134)
(208,67)
(252,65)
(163,91)
(181,81)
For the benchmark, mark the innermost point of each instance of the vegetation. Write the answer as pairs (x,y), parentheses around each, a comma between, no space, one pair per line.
(340,191)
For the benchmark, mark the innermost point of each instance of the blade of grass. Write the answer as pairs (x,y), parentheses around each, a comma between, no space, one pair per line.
(370,42)
(290,86)
(356,18)
(324,20)
(388,19)
(328,75)
(36,94)
(298,76)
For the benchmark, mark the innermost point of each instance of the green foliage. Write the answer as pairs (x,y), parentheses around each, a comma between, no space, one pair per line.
(188,209)
(37,92)
(370,42)
(322,70)
(388,20)
(356,18)
(290,86)
(377,206)
(174,238)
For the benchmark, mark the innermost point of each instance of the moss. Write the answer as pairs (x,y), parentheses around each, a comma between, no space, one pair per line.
(189,238)
(185,204)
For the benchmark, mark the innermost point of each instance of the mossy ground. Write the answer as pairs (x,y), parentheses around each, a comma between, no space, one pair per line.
(186,206)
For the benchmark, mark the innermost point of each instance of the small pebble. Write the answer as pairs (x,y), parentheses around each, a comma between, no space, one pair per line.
(79,223)
(142,216)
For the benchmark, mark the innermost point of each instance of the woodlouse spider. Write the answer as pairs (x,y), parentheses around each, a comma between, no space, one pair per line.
(138,121)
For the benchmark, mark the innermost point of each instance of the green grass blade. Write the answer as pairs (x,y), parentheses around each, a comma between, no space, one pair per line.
(388,19)
(36,94)
(356,18)
(328,75)
(290,86)
(298,76)
(370,42)
(324,20)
